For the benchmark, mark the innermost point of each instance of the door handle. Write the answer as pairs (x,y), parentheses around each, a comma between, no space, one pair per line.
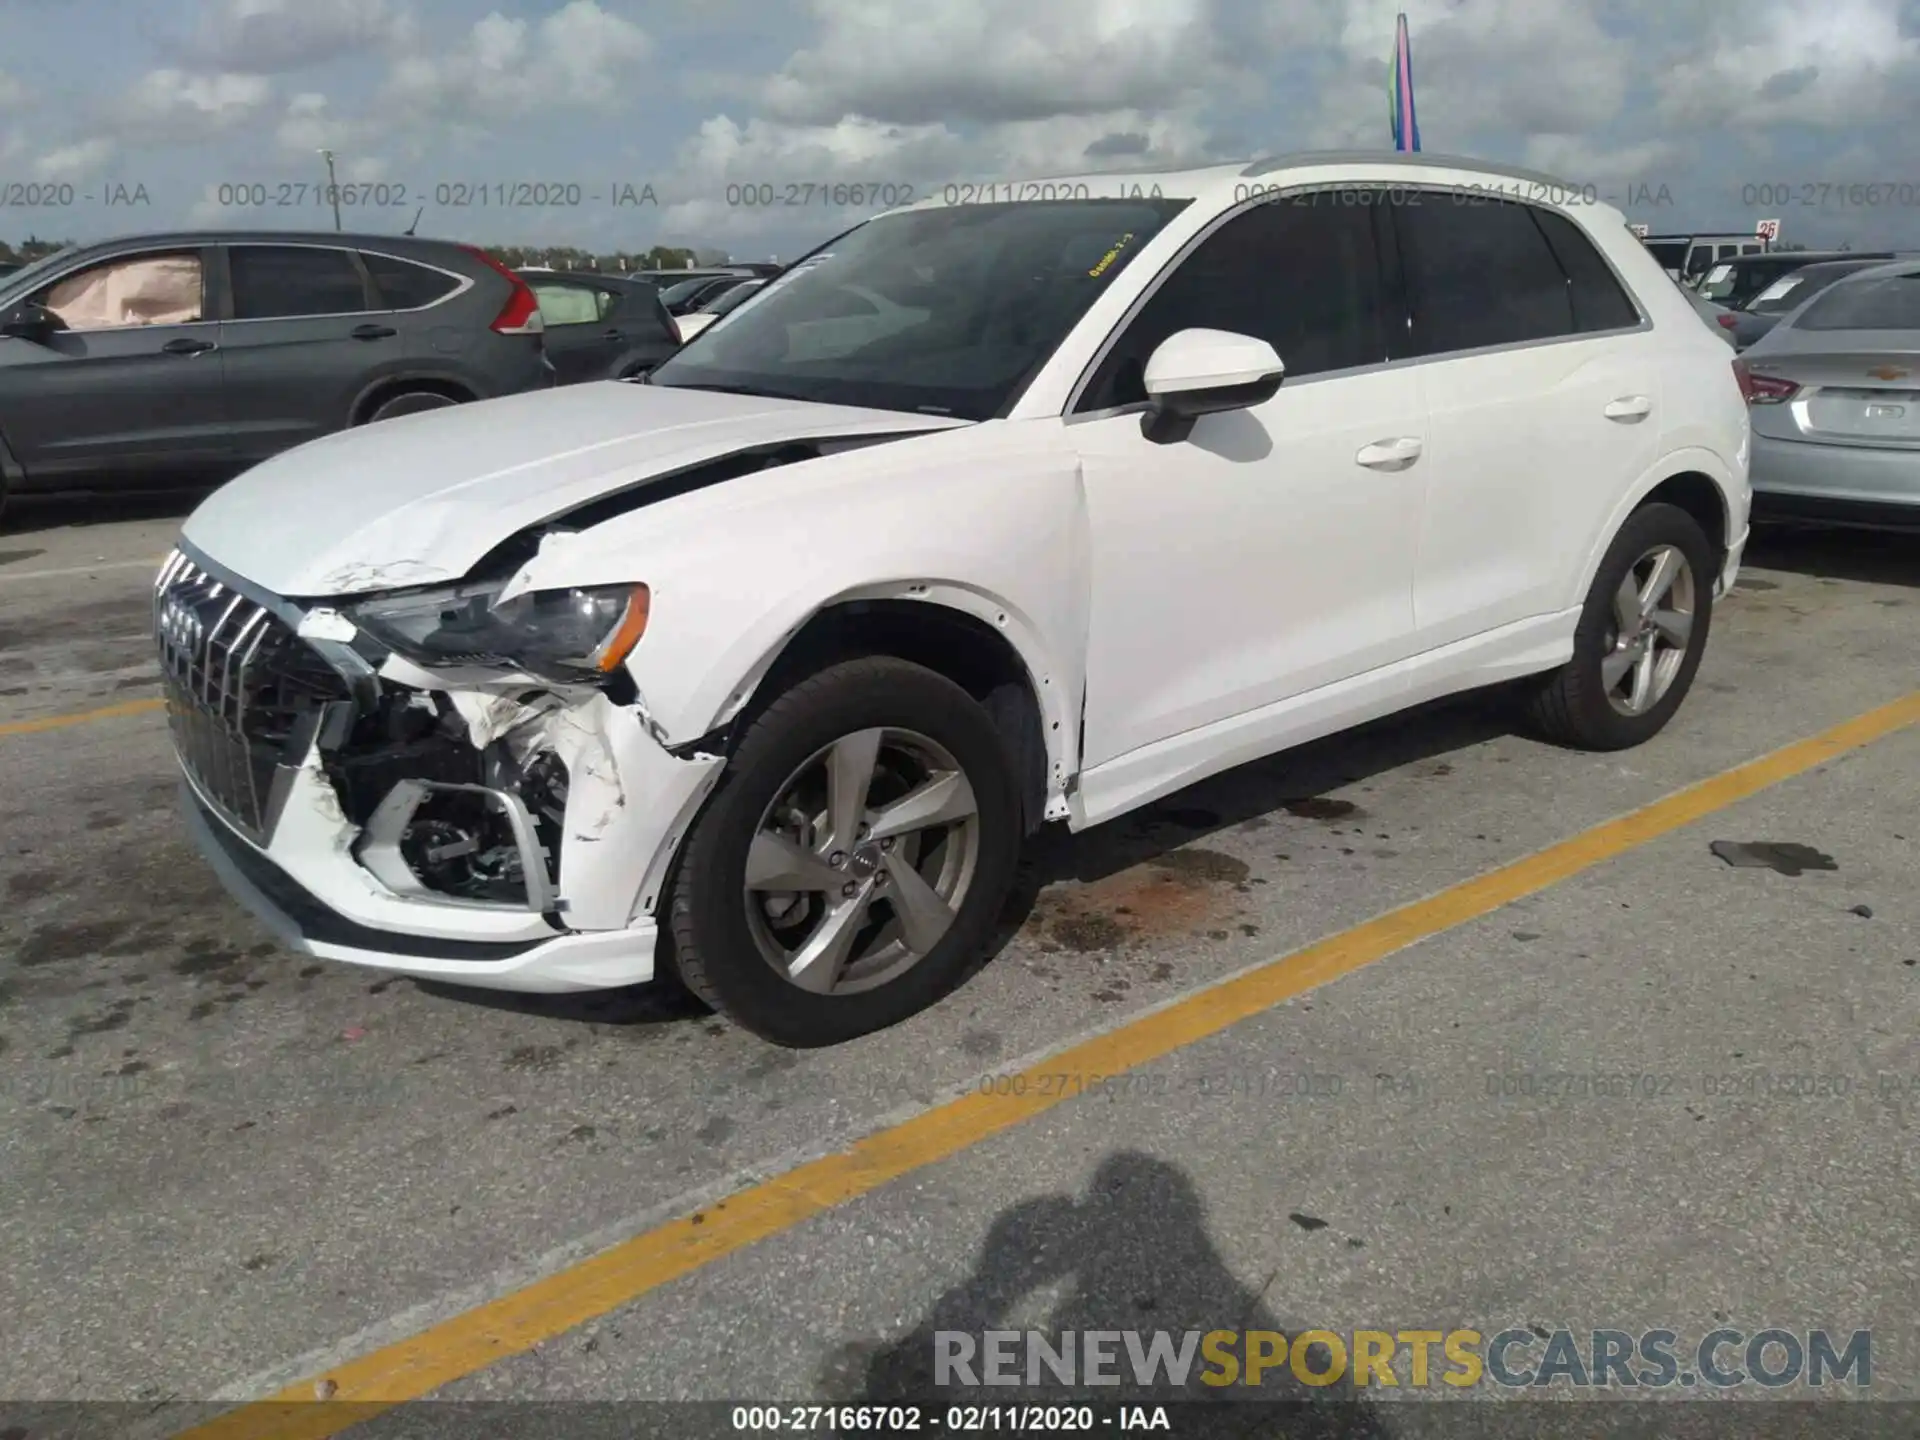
(1629,408)
(373,332)
(186,346)
(1395,454)
(614,335)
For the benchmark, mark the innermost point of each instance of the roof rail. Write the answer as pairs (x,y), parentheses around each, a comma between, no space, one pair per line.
(1399,157)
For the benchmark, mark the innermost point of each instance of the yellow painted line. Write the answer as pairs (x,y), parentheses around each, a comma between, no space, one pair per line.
(514,1323)
(82,717)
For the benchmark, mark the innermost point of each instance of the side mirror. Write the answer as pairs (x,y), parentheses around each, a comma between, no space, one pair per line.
(26,320)
(1204,372)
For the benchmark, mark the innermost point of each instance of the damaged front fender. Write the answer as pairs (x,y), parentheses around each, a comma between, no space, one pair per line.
(629,803)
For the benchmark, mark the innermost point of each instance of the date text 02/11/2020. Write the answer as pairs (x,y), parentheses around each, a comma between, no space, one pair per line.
(447,194)
(887,195)
(958,1419)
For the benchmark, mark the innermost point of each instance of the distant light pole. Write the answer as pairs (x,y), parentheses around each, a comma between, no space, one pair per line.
(333,188)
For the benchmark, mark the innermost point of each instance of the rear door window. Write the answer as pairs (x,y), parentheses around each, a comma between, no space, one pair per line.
(569,304)
(280,282)
(1480,273)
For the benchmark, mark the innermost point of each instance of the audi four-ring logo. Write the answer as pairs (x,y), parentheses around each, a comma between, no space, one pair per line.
(181,626)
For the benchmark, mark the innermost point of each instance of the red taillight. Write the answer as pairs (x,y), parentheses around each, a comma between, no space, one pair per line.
(522,313)
(1727,321)
(1763,389)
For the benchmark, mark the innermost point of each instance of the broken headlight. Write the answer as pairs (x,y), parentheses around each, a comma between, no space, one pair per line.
(566,636)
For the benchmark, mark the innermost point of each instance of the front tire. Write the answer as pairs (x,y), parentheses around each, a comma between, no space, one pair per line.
(1640,638)
(854,859)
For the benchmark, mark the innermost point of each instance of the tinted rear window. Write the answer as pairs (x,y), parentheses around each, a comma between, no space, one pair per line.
(406,286)
(272,282)
(1890,303)
(1480,273)
(1599,303)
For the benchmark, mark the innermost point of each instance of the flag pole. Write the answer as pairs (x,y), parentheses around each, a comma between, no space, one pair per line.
(1406,127)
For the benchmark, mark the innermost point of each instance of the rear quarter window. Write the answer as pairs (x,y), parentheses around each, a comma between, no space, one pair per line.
(404,285)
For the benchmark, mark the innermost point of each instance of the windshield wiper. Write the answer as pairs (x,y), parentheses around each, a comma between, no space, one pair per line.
(727,389)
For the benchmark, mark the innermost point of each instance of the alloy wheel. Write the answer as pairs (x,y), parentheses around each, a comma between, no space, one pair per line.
(1652,625)
(861,862)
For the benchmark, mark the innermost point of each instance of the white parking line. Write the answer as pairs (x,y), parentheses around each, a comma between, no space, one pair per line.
(153,565)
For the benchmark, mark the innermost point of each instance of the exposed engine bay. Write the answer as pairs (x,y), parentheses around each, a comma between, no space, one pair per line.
(453,840)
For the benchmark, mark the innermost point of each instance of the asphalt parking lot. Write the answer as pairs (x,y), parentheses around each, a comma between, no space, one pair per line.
(229,1170)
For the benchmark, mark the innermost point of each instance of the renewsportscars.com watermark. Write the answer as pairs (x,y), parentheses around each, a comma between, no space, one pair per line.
(1722,1359)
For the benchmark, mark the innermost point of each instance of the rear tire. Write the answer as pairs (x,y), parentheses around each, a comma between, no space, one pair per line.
(1640,638)
(783,913)
(409,402)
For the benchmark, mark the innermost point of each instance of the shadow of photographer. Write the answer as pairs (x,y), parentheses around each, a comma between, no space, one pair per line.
(1132,1253)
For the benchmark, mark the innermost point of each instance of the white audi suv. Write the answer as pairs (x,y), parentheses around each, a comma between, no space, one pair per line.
(1026,506)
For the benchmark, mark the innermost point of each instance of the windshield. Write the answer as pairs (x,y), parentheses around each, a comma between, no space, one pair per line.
(1668,252)
(27,274)
(732,299)
(947,311)
(1891,302)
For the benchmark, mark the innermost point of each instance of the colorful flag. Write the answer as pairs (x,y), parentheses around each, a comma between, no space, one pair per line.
(1406,129)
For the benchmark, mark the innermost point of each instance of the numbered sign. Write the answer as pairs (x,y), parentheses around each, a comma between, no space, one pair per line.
(1768,230)
(1642,231)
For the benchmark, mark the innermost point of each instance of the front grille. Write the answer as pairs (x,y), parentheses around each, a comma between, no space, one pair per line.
(238,684)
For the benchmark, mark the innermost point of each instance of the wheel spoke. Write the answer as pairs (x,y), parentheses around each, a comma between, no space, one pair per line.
(1626,606)
(775,862)
(1675,627)
(1642,680)
(816,965)
(1667,565)
(924,916)
(1614,668)
(849,775)
(941,801)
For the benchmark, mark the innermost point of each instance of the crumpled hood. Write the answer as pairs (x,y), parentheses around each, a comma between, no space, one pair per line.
(420,499)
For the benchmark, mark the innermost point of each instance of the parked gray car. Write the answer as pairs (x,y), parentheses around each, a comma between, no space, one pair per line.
(1834,393)
(1717,316)
(1789,292)
(158,358)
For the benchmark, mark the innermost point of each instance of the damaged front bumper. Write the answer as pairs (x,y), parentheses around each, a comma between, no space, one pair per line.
(481,830)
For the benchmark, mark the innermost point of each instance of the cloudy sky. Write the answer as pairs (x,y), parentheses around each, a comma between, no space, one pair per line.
(1676,109)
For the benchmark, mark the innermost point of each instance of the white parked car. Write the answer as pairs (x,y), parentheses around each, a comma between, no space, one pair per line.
(985,516)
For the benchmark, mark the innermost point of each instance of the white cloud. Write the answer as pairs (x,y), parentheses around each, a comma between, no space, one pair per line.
(1830,66)
(309,124)
(920,61)
(273,36)
(579,55)
(14,92)
(178,107)
(77,161)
